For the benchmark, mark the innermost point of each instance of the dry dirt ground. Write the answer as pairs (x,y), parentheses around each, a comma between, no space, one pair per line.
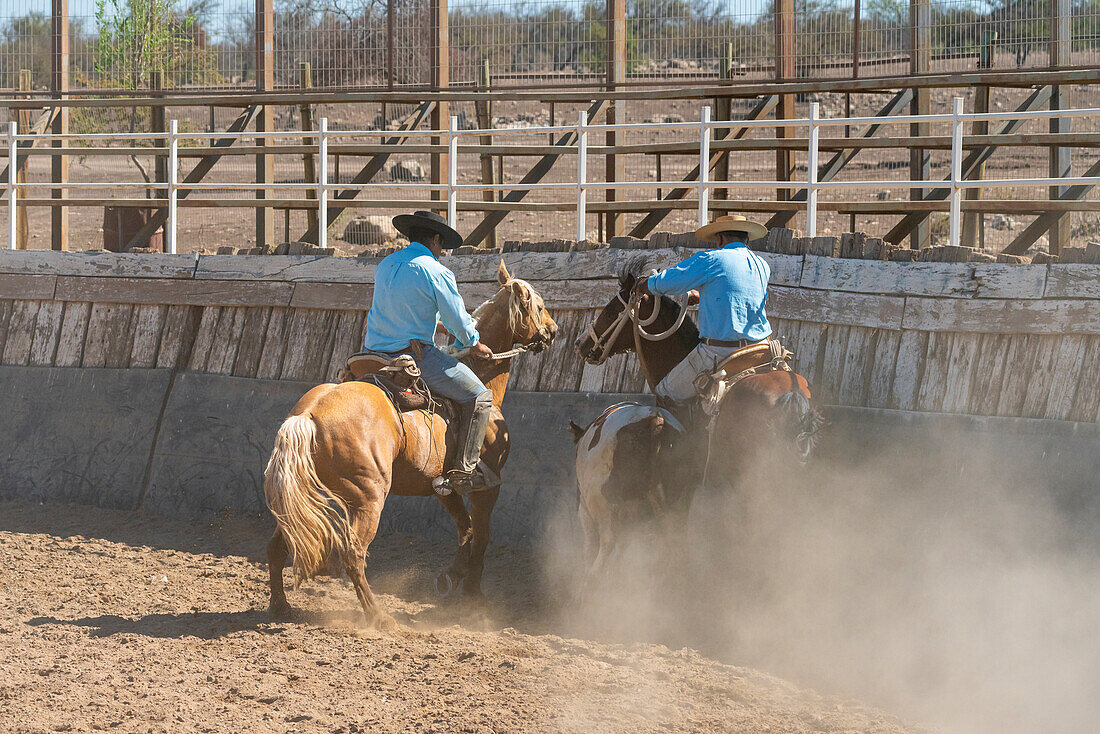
(119,622)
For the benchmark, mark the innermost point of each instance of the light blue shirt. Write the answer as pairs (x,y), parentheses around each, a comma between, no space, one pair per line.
(733,288)
(412,292)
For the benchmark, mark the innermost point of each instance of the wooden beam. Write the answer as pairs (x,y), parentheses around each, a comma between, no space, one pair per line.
(655,217)
(1014,79)
(784,72)
(485,121)
(897,105)
(920,160)
(197,174)
(1042,224)
(371,169)
(59,164)
(976,157)
(723,110)
(973,224)
(265,121)
(614,165)
(1061,40)
(440,62)
(23,118)
(309,171)
(540,169)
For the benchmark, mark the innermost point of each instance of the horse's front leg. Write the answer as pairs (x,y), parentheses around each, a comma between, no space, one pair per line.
(481,511)
(449,580)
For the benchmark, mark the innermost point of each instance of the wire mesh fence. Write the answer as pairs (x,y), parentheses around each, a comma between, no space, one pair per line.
(211,44)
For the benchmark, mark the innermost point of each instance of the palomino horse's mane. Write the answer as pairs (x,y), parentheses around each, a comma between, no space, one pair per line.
(516,310)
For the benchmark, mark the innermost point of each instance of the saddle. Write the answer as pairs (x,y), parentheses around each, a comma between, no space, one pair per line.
(398,377)
(765,356)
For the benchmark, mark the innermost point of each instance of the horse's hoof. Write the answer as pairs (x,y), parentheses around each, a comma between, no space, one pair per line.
(280,611)
(384,622)
(445,584)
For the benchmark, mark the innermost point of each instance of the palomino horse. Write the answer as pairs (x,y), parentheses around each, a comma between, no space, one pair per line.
(761,413)
(345,448)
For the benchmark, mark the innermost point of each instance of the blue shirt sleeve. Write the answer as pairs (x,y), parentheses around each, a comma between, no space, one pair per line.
(452,310)
(689,274)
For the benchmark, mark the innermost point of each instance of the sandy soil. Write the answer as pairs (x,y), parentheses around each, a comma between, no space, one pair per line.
(119,622)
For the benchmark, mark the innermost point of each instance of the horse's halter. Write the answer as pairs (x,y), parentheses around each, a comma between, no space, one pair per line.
(544,337)
(602,343)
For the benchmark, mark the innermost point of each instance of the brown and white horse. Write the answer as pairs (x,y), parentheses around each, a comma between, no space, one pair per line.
(344,449)
(763,416)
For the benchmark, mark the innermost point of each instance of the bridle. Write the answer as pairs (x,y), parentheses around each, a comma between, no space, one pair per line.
(542,332)
(602,343)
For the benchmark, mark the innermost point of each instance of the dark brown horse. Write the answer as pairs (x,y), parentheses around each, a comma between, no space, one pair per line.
(763,415)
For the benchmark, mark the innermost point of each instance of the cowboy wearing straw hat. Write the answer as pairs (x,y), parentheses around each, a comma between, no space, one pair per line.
(413,292)
(731,285)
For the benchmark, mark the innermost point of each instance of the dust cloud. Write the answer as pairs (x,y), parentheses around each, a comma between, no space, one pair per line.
(942,578)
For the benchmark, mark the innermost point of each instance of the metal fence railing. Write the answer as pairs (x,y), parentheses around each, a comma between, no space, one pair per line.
(458,143)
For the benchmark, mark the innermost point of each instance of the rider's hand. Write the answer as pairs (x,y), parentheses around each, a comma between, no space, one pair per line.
(481,351)
(642,287)
(693,298)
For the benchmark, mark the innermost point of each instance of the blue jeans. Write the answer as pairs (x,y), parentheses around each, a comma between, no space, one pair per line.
(446,377)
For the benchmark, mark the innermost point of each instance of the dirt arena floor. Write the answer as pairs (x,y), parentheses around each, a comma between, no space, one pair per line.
(119,622)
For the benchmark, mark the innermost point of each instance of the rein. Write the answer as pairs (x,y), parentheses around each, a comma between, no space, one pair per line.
(630,312)
(497,356)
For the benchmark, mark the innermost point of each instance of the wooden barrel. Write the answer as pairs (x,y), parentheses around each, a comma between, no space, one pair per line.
(121,223)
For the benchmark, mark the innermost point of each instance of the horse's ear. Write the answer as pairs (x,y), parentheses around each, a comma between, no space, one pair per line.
(576,430)
(503,276)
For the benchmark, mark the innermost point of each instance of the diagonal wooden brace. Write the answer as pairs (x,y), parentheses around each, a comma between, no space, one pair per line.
(1042,223)
(655,217)
(40,125)
(376,163)
(540,169)
(975,158)
(157,220)
(899,104)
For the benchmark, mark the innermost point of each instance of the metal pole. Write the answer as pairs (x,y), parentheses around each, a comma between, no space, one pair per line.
(172,176)
(452,170)
(13,158)
(956,170)
(704,162)
(322,182)
(582,174)
(811,173)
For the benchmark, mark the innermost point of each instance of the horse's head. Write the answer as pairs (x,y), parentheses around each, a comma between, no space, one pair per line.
(517,314)
(609,334)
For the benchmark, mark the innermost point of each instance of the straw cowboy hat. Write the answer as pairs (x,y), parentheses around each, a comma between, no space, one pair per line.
(731,223)
(431,222)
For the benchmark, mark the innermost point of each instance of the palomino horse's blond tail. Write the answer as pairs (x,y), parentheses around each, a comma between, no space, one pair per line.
(313,521)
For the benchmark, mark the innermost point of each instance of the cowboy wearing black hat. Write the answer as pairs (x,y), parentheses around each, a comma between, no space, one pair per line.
(413,292)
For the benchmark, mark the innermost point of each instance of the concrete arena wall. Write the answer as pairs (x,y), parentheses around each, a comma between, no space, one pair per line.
(194,445)
(158,381)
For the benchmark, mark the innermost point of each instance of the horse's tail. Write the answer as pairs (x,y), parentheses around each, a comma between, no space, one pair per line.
(312,519)
(799,421)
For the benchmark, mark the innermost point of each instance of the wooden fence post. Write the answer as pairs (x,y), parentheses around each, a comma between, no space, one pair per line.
(157,124)
(784,71)
(616,74)
(920,161)
(23,117)
(973,224)
(265,120)
(724,111)
(59,163)
(1060,47)
(484,114)
(439,38)
(309,170)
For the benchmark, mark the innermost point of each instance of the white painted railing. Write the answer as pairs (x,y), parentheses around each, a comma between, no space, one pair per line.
(704,127)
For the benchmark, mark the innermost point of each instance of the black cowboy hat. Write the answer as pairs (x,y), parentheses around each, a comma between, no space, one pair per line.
(431,222)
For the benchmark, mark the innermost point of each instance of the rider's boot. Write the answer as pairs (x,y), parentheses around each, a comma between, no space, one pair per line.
(466,477)
(684,411)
